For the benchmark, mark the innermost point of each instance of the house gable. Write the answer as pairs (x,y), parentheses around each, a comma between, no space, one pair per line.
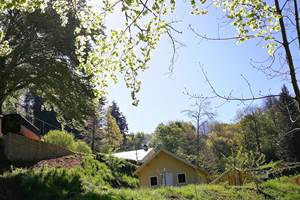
(164,163)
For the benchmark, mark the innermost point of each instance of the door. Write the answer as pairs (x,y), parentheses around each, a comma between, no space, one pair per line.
(168,179)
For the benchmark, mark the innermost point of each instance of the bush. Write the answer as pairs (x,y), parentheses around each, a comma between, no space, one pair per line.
(90,181)
(122,171)
(83,147)
(50,183)
(117,164)
(66,140)
(60,138)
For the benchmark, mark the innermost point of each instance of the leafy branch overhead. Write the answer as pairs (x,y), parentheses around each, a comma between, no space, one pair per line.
(128,50)
(104,54)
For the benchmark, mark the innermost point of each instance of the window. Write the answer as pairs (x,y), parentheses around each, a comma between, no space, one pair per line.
(153,181)
(181,178)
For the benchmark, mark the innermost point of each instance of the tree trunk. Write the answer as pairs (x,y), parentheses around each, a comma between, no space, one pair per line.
(1,105)
(289,57)
(256,131)
(297,21)
(93,135)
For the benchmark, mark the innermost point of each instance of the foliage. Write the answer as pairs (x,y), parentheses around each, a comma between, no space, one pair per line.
(66,140)
(94,127)
(289,138)
(102,131)
(42,56)
(252,19)
(122,170)
(60,183)
(288,190)
(64,184)
(272,129)
(120,119)
(81,146)
(56,183)
(181,139)
(219,145)
(175,136)
(60,138)
(127,51)
(245,160)
(136,141)
(117,164)
(111,137)
(33,108)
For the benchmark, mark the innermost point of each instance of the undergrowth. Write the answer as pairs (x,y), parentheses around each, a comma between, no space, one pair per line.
(95,180)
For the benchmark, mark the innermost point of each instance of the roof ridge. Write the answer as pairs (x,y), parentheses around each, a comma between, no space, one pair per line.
(170,154)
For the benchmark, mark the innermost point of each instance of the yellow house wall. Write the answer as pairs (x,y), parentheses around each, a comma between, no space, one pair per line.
(165,163)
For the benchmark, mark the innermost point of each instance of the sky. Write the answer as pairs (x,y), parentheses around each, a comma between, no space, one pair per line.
(162,98)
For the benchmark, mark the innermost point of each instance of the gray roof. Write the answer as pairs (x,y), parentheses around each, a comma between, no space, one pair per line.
(138,155)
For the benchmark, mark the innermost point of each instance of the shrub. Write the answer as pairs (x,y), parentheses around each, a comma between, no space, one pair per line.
(66,140)
(81,146)
(122,171)
(117,164)
(90,181)
(60,138)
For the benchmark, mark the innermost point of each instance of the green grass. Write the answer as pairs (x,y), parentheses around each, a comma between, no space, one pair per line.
(282,188)
(198,192)
(95,180)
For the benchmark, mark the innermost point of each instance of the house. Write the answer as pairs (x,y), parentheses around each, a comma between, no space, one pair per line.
(163,168)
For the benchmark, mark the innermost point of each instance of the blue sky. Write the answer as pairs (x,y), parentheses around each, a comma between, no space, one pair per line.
(162,97)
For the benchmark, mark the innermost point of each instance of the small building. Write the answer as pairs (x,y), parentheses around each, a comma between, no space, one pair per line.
(234,177)
(15,123)
(162,168)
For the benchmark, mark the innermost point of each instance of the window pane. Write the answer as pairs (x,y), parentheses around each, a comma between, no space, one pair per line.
(153,181)
(181,178)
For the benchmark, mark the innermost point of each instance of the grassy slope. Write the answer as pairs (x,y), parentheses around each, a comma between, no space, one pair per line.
(275,189)
(94,180)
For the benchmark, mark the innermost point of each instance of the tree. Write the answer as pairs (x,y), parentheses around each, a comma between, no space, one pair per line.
(94,126)
(272,129)
(42,58)
(200,114)
(111,136)
(251,123)
(276,24)
(258,133)
(128,50)
(290,123)
(221,142)
(177,137)
(120,119)
(42,119)
(136,141)
(100,54)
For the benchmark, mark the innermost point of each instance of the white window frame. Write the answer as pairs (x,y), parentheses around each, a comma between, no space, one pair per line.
(184,177)
(156,181)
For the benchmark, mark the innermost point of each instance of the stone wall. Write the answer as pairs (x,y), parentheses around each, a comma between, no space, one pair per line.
(20,148)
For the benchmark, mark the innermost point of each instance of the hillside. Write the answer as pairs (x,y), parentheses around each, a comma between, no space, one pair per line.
(113,180)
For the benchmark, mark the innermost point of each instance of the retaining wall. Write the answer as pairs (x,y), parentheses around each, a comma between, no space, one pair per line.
(20,148)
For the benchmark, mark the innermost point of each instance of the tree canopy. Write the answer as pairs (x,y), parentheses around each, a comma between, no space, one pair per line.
(128,50)
(42,58)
